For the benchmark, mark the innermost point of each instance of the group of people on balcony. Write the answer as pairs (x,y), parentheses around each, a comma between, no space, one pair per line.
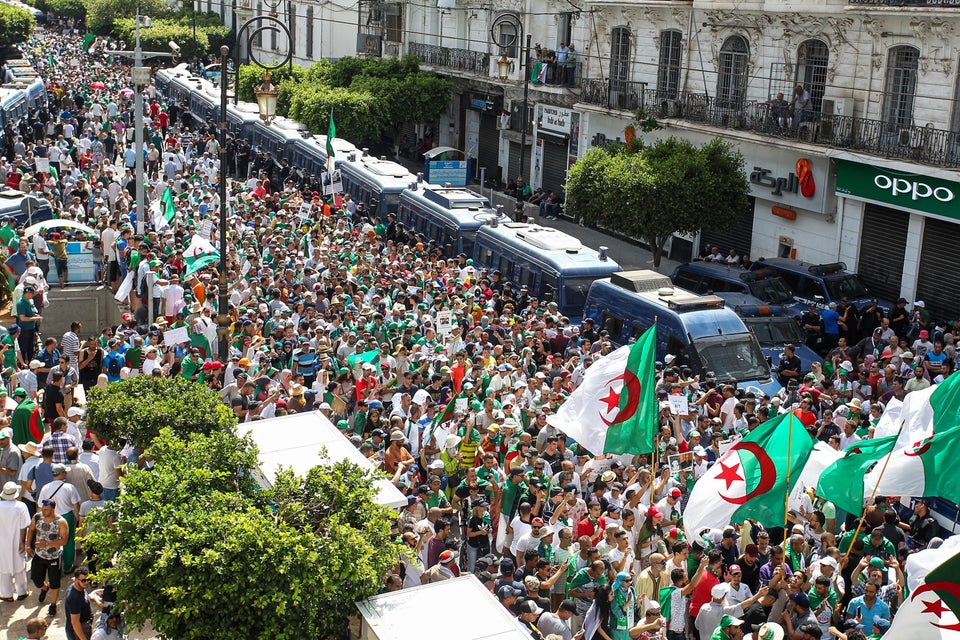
(791,115)
(553,66)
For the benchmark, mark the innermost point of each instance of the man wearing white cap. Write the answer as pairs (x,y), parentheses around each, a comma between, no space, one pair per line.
(14,523)
(713,613)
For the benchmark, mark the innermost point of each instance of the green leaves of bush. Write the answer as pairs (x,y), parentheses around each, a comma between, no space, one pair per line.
(140,407)
(16,25)
(201,551)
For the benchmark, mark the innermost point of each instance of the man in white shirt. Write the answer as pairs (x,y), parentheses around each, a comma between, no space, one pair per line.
(737,591)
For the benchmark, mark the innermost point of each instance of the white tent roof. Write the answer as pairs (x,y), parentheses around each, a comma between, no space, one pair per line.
(425,612)
(295,441)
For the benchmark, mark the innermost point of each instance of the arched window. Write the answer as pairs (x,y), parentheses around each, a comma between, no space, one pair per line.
(900,87)
(668,71)
(508,38)
(732,73)
(813,57)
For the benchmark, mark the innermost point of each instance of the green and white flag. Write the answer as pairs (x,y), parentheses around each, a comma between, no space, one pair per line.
(164,210)
(921,465)
(357,360)
(331,134)
(857,461)
(932,610)
(750,480)
(615,409)
(199,254)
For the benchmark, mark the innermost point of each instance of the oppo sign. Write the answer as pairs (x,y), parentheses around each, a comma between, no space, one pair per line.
(916,190)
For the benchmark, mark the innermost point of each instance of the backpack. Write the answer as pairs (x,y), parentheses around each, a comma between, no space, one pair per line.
(114,367)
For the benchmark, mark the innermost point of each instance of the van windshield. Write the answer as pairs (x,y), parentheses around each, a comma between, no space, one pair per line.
(771,290)
(733,357)
(575,294)
(848,286)
(775,331)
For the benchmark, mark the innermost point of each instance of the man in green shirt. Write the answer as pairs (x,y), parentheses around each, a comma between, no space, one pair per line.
(27,318)
(9,350)
(514,489)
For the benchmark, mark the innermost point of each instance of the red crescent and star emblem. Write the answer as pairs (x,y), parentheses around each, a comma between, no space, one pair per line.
(631,384)
(921,447)
(731,471)
(935,605)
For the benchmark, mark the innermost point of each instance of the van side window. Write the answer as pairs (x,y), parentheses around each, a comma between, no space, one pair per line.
(808,288)
(484,255)
(636,331)
(612,324)
(688,281)
(792,279)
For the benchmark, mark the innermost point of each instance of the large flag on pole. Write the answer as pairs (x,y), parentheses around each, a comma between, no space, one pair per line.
(932,611)
(615,410)
(750,480)
(919,564)
(164,210)
(199,254)
(331,134)
(922,464)
(835,482)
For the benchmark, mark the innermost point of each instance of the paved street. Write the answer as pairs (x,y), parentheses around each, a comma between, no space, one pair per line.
(17,613)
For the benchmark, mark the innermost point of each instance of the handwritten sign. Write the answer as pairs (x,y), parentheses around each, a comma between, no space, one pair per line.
(173,337)
(678,404)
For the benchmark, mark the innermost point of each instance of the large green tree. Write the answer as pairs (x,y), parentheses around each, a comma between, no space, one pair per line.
(652,192)
(201,552)
(102,13)
(16,25)
(140,407)
(371,97)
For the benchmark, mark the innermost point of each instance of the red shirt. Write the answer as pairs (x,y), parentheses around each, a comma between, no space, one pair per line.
(589,529)
(701,593)
(808,418)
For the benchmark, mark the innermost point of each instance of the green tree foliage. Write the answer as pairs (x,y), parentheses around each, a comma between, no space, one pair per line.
(140,407)
(374,95)
(655,191)
(102,13)
(209,37)
(358,114)
(16,25)
(201,553)
(65,8)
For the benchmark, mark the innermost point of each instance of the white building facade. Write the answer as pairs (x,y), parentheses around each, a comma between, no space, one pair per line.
(867,174)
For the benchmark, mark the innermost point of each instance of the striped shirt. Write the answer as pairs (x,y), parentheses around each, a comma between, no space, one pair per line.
(70,346)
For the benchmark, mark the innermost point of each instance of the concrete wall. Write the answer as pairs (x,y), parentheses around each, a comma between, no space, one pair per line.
(93,306)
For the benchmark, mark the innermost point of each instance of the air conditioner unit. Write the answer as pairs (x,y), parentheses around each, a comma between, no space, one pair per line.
(837,106)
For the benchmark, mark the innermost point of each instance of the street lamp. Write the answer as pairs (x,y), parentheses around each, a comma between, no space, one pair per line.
(223,301)
(503,66)
(266,94)
(508,38)
(267,99)
(140,75)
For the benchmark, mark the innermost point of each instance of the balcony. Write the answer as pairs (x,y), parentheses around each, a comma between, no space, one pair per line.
(477,62)
(925,145)
(944,4)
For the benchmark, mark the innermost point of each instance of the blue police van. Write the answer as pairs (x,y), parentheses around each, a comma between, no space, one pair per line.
(818,284)
(775,328)
(712,277)
(552,265)
(700,331)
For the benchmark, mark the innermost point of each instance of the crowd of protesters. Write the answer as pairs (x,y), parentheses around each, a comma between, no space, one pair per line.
(337,312)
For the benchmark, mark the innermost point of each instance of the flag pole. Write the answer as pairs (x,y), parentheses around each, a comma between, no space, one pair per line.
(786,498)
(873,494)
(656,436)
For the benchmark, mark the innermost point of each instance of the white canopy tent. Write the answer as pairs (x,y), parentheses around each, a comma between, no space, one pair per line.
(295,441)
(425,612)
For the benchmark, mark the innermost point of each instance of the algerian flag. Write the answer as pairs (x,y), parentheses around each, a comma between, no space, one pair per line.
(366,357)
(331,134)
(921,563)
(199,254)
(88,40)
(750,480)
(889,423)
(614,410)
(201,342)
(923,464)
(859,458)
(932,611)
(164,210)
